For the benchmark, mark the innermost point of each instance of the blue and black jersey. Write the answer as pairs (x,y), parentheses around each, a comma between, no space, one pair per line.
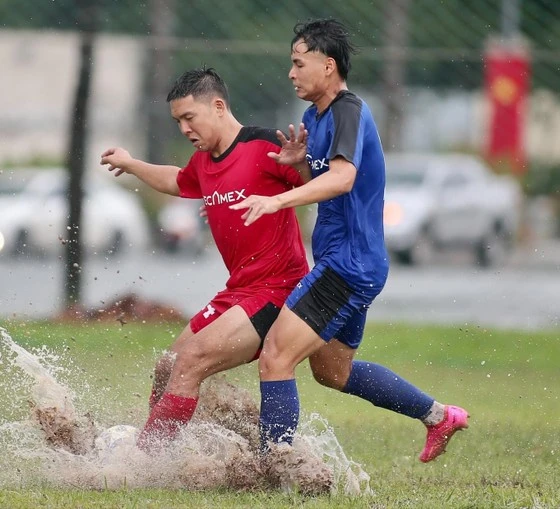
(348,235)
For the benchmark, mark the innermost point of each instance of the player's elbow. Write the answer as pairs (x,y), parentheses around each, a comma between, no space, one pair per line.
(174,191)
(345,183)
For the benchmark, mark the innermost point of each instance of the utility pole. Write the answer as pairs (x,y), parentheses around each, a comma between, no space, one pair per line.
(159,72)
(511,16)
(394,72)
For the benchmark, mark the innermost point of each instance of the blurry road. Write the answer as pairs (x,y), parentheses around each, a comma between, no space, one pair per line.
(524,294)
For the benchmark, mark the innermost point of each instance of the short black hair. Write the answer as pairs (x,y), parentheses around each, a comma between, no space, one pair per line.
(330,37)
(199,83)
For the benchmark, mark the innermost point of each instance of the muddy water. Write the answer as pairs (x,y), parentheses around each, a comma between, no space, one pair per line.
(62,446)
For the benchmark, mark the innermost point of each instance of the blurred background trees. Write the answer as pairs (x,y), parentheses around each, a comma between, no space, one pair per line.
(430,45)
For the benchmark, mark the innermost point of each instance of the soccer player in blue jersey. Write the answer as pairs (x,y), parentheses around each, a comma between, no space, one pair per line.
(323,318)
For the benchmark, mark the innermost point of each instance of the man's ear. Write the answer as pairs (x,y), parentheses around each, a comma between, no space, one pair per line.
(220,105)
(330,66)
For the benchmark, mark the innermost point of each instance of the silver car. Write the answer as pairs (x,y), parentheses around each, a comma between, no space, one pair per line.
(437,202)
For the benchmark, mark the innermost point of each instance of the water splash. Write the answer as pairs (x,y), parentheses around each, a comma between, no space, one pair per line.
(349,476)
(47,392)
(62,447)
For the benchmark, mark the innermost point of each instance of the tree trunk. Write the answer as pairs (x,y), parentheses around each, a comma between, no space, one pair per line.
(85,12)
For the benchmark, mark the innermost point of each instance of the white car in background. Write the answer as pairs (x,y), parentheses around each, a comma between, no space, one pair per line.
(33,218)
(450,201)
(181,227)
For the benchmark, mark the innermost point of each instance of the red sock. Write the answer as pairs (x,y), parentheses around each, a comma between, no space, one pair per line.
(168,415)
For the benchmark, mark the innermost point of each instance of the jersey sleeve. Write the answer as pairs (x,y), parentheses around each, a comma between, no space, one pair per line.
(187,180)
(290,175)
(347,130)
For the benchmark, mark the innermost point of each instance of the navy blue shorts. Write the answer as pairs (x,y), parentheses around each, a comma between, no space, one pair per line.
(330,306)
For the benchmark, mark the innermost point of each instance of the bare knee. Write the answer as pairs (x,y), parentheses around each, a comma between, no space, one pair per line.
(267,364)
(273,366)
(192,363)
(186,364)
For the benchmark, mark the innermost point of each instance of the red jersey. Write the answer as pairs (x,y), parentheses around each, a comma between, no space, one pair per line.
(270,252)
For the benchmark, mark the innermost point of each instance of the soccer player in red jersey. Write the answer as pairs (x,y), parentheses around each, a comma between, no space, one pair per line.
(264,262)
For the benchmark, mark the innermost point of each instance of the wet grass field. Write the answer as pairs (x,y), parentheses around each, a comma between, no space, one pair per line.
(509,382)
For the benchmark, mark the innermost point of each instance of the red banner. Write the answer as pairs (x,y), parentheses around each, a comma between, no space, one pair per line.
(507,82)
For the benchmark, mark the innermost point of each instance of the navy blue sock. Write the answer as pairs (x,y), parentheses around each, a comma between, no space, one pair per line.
(386,389)
(279,412)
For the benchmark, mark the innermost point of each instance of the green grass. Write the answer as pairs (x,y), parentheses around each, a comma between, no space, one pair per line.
(508,380)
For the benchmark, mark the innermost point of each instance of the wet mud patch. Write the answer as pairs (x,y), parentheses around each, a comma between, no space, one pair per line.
(62,446)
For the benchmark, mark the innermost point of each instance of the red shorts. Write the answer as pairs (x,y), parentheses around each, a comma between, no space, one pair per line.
(261,308)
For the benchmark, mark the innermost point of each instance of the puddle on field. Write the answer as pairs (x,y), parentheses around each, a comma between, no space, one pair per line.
(60,445)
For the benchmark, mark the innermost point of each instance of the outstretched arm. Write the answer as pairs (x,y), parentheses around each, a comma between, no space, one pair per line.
(162,178)
(338,180)
(293,151)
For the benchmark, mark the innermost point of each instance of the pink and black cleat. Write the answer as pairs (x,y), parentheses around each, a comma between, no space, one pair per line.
(454,419)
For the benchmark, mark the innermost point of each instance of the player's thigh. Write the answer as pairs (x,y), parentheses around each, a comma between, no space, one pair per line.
(228,341)
(317,308)
(289,341)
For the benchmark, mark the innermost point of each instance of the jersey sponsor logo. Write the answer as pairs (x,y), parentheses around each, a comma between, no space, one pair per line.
(218,198)
(210,310)
(318,164)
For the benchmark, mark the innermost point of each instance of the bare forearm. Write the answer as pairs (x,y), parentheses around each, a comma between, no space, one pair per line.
(338,180)
(319,189)
(160,177)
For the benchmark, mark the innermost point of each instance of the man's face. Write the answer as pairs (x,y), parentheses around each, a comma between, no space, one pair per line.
(308,71)
(198,120)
